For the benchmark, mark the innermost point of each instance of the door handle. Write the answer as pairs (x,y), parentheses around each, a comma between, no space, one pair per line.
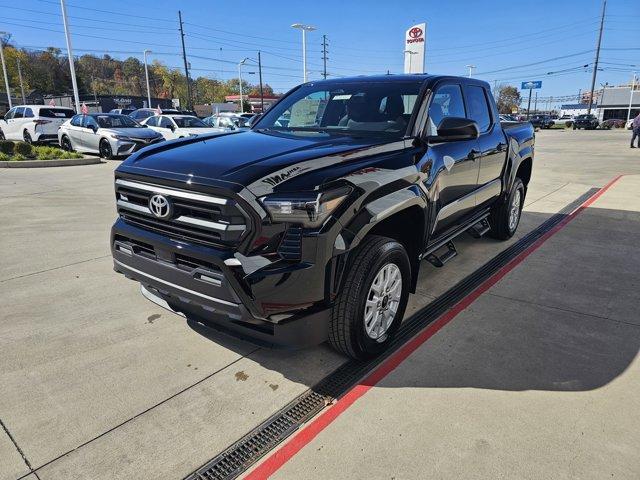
(501,146)
(473,154)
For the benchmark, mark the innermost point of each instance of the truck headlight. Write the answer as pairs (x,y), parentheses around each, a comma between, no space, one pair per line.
(310,209)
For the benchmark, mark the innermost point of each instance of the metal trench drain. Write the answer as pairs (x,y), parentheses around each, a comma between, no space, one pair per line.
(241,455)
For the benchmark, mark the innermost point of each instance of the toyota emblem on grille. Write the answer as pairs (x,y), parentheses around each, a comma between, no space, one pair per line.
(160,206)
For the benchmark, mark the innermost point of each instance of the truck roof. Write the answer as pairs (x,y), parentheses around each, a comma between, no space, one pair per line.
(404,77)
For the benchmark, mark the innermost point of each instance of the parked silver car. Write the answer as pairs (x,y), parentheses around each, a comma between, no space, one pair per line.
(109,134)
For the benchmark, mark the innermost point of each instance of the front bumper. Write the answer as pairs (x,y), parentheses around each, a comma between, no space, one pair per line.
(127,147)
(212,286)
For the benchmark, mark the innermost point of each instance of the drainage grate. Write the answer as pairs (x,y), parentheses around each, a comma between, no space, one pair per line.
(236,459)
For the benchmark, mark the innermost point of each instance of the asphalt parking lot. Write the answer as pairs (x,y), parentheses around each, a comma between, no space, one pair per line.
(538,378)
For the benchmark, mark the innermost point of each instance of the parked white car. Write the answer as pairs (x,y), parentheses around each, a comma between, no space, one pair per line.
(34,123)
(563,120)
(109,134)
(179,126)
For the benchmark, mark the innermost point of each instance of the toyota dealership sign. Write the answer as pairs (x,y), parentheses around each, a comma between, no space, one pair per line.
(414,44)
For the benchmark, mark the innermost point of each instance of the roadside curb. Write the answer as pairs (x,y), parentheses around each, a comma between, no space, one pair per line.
(51,163)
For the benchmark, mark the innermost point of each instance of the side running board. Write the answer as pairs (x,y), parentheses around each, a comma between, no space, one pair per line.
(480,228)
(440,260)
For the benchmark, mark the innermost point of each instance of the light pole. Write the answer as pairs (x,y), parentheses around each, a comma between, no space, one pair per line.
(633,85)
(305,29)
(471,68)
(240,82)
(72,68)
(411,53)
(4,70)
(146,73)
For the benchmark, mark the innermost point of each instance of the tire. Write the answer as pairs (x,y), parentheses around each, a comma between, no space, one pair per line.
(65,143)
(105,150)
(349,333)
(27,137)
(504,220)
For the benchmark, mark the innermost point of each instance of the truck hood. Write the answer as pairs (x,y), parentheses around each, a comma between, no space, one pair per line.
(258,160)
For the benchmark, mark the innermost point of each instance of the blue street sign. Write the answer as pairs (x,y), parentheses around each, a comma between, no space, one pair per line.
(531,85)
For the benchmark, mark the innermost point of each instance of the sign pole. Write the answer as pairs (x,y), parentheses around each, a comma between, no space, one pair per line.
(529,104)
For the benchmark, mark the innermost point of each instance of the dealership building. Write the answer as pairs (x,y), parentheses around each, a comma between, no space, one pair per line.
(613,103)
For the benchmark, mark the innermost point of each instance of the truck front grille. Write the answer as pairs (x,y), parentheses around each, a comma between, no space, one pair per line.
(196,217)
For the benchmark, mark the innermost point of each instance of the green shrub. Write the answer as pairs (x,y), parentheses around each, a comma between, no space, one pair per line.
(23,148)
(18,157)
(6,147)
(53,153)
(4,157)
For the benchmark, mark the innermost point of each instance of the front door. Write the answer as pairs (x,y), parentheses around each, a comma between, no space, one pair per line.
(455,163)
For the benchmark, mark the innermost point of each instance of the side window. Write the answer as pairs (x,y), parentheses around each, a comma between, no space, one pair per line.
(165,122)
(478,107)
(152,122)
(76,121)
(19,112)
(447,102)
(28,113)
(9,114)
(89,122)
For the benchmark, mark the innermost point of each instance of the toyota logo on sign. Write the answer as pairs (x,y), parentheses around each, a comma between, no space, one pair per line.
(415,32)
(160,206)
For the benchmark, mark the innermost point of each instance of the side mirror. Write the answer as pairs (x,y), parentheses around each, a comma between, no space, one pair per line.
(453,129)
(93,128)
(172,128)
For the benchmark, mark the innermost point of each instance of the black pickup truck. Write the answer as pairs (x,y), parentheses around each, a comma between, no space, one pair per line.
(313,224)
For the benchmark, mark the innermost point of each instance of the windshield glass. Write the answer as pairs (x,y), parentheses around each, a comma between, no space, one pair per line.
(116,121)
(189,122)
(351,108)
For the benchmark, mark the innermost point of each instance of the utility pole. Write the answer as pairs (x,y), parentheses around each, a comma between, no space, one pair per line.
(260,75)
(595,65)
(4,70)
(24,99)
(324,56)
(633,86)
(186,65)
(529,104)
(535,105)
(72,67)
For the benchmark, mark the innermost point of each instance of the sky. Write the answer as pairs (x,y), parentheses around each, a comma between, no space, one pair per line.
(508,41)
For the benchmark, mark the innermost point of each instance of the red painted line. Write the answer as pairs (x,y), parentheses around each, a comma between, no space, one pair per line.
(304,436)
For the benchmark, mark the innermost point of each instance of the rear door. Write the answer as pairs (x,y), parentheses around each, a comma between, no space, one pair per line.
(455,164)
(74,131)
(492,142)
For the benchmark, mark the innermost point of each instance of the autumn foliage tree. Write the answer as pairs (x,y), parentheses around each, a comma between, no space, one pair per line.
(508,98)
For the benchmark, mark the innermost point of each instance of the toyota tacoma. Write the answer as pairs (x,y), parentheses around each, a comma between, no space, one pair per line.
(313,225)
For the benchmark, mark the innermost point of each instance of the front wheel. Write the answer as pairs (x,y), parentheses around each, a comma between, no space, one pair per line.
(65,143)
(105,150)
(505,216)
(371,304)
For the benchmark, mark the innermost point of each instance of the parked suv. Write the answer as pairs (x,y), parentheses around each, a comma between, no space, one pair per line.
(294,235)
(542,121)
(34,123)
(588,122)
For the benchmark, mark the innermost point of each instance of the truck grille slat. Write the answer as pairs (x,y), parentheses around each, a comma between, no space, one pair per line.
(196,217)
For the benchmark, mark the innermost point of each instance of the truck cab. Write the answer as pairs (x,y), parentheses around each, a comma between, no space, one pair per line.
(313,225)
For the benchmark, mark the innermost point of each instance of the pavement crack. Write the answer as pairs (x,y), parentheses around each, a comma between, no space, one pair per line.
(54,268)
(545,196)
(22,454)
(162,402)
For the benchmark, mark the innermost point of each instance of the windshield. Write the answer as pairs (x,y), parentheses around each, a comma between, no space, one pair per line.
(189,122)
(351,108)
(116,121)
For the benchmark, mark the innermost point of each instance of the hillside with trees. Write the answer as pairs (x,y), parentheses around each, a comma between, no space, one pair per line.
(47,71)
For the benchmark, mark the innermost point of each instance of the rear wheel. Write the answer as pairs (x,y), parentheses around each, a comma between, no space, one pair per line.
(505,216)
(105,149)
(370,307)
(65,143)
(27,137)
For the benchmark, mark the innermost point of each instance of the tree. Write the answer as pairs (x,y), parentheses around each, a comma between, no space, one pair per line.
(508,98)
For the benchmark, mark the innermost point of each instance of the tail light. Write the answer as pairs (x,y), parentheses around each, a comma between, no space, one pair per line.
(41,122)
